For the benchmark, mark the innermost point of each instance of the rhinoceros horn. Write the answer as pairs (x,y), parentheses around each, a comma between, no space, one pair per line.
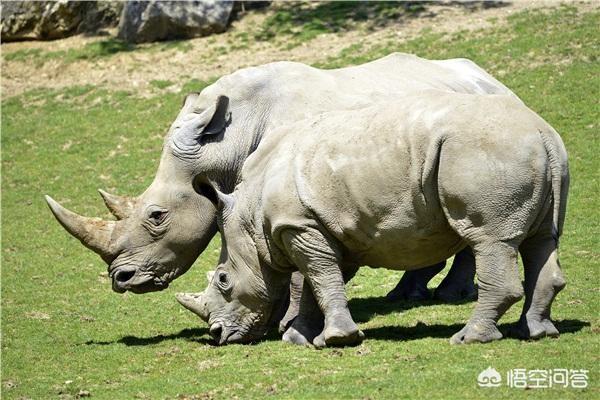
(194,303)
(93,233)
(119,206)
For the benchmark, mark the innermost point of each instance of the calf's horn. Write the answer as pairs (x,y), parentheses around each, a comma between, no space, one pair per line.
(194,303)
(93,233)
(119,206)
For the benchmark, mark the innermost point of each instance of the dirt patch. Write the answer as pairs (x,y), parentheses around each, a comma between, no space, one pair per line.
(37,315)
(151,69)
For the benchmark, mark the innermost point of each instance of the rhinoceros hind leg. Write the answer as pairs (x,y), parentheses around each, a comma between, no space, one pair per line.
(499,288)
(458,284)
(413,284)
(543,280)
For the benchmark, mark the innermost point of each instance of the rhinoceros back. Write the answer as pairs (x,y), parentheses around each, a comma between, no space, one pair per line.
(360,176)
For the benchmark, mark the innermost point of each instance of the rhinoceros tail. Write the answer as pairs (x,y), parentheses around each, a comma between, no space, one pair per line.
(429,174)
(559,170)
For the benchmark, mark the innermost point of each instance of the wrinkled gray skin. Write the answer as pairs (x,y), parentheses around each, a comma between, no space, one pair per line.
(223,125)
(401,186)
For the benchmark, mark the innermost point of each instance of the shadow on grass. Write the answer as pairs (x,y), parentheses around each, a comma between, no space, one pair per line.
(198,335)
(399,333)
(189,334)
(305,20)
(364,309)
(421,330)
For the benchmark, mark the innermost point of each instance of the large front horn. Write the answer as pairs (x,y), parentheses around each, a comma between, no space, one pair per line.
(194,303)
(93,233)
(119,206)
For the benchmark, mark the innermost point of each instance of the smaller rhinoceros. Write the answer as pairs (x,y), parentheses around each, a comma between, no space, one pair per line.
(400,185)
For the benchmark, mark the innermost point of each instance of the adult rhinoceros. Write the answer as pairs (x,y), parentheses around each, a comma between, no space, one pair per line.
(400,185)
(161,232)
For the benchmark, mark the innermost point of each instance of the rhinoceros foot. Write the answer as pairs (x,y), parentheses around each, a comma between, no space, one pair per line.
(339,330)
(408,289)
(293,336)
(476,332)
(286,322)
(528,328)
(454,292)
(302,331)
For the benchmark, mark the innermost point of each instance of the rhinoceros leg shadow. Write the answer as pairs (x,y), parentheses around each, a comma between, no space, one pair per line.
(364,309)
(199,335)
(422,330)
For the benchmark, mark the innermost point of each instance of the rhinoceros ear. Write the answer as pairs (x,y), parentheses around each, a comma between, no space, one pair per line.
(220,116)
(189,100)
(188,103)
(191,127)
(225,204)
(211,121)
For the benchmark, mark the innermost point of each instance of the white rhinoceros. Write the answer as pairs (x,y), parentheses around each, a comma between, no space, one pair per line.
(230,119)
(399,185)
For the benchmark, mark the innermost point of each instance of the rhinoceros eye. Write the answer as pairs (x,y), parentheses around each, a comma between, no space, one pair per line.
(224,283)
(157,216)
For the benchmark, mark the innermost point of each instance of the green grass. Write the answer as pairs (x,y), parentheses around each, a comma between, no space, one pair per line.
(93,51)
(90,51)
(161,84)
(64,332)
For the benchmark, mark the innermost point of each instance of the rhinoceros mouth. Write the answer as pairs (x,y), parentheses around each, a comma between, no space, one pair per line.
(226,335)
(133,280)
(232,333)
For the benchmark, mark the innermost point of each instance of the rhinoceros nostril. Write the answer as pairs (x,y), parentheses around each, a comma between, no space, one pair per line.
(124,275)
(215,332)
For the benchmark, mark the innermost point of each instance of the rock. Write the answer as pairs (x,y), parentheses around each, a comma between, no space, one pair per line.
(44,20)
(60,19)
(148,21)
(20,20)
(100,15)
(241,7)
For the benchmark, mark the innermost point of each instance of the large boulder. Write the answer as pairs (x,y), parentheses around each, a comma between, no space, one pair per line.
(148,21)
(45,20)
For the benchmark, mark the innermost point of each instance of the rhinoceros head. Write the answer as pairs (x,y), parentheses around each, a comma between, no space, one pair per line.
(158,235)
(243,295)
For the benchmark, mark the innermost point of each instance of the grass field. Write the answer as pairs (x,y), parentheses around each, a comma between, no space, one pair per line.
(66,335)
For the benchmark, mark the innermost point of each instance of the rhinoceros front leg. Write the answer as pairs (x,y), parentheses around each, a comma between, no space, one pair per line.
(499,288)
(413,284)
(296,285)
(309,321)
(458,284)
(316,257)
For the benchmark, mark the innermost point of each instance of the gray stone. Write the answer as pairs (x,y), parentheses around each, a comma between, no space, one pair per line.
(163,20)
(45,20)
